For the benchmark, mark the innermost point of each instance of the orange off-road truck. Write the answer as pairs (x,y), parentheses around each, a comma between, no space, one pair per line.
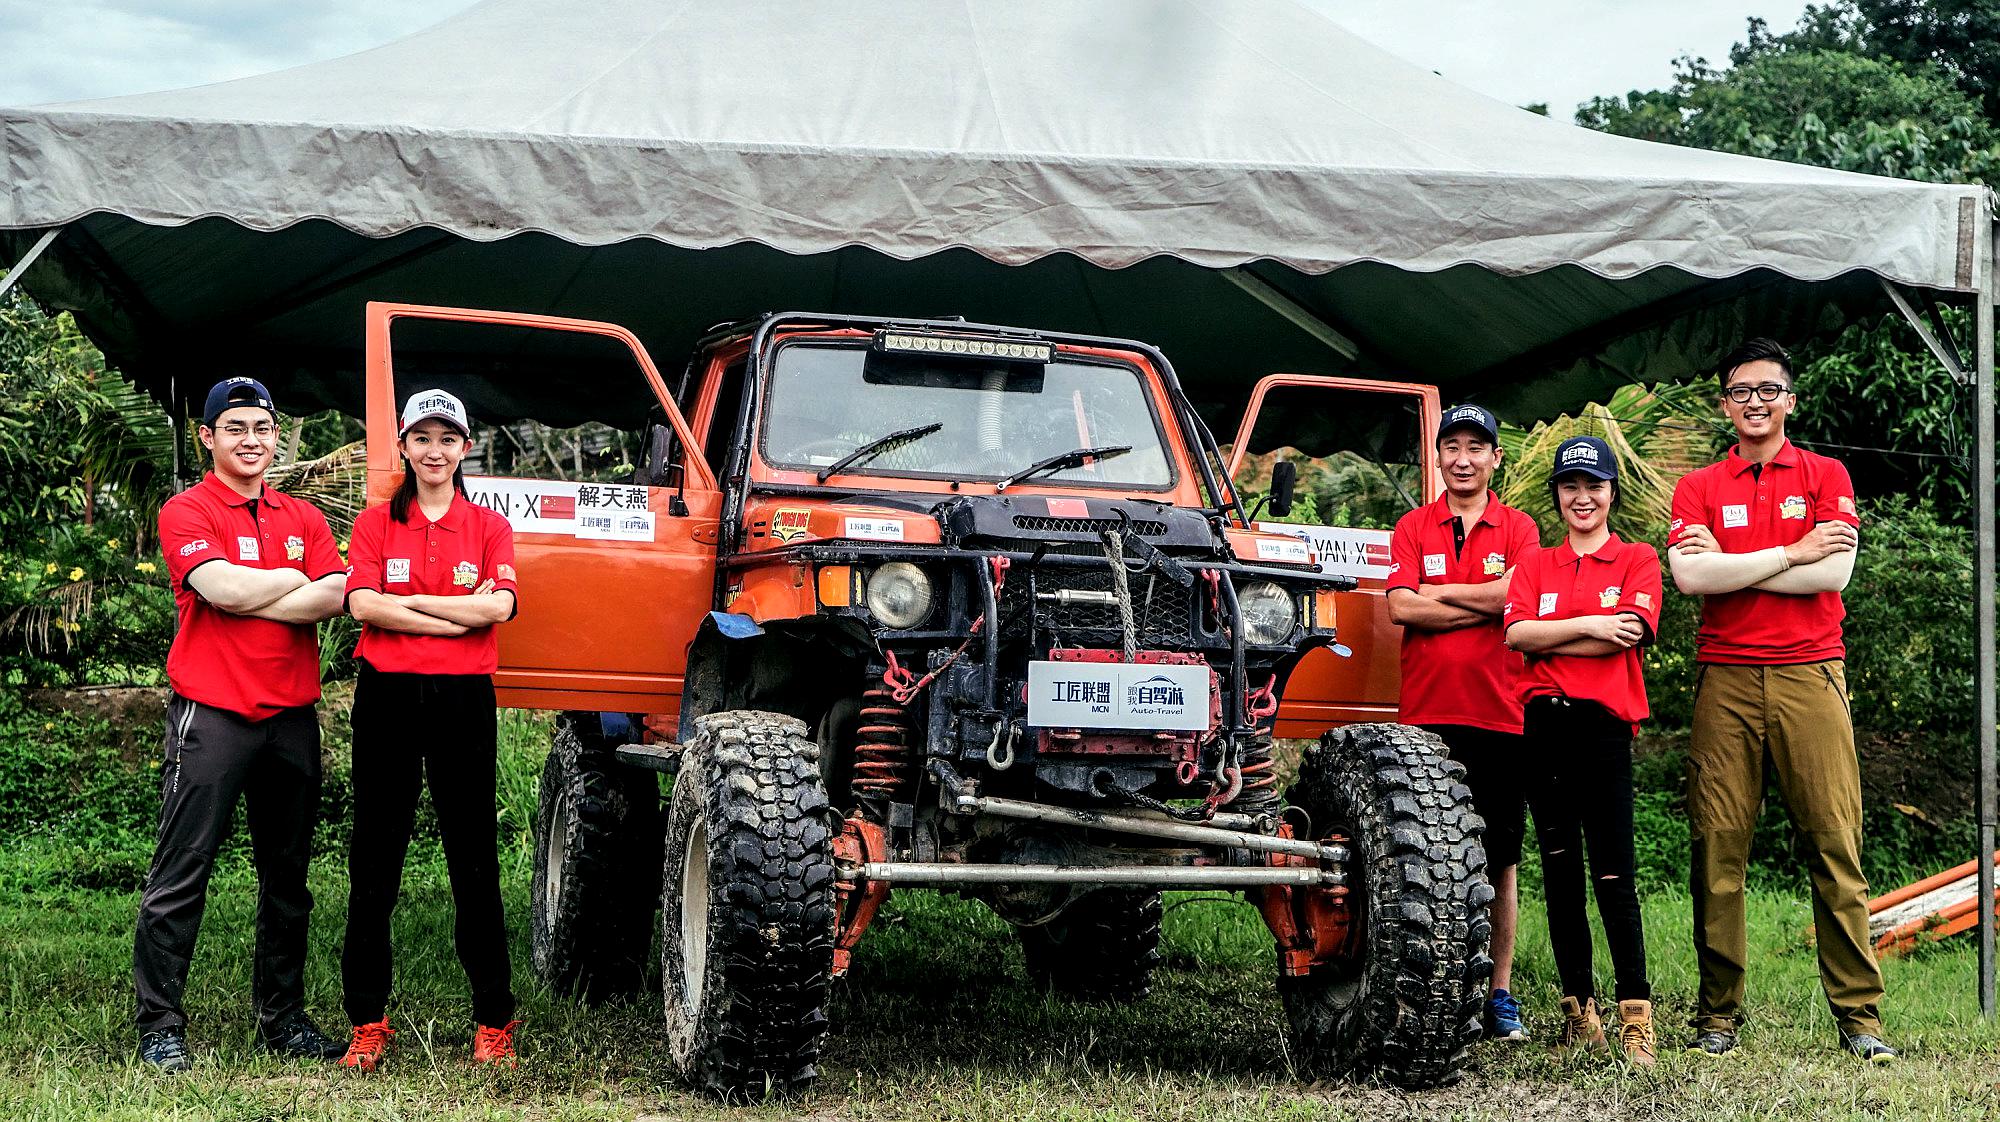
(935,604)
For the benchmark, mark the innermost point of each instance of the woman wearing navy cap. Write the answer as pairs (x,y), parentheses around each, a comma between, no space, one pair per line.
(1579,612)
(431,574)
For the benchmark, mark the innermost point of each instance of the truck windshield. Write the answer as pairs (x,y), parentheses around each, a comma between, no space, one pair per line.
(996,417)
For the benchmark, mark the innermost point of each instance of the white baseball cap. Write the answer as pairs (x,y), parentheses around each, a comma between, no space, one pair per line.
(425,404)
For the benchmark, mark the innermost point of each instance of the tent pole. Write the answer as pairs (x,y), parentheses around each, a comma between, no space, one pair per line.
(1983,492)
(14,275)
(1298,314)
(1940,345)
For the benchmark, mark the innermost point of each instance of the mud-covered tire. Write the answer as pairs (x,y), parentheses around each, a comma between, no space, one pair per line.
(747,908)
(1406,1008)
(1103,947)
(597,856)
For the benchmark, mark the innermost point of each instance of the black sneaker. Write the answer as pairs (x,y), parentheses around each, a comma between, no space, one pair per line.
(1714,1042)
(166,1049)
(299,1038)
(1870,1048)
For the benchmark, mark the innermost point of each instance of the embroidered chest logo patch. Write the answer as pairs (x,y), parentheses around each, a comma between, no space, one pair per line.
(1608,598)
(1735,516)
(246,549)
(1794,506)
(396,570)
(1433,564)
(1548,604)
(465,574)
(295,548)
(1495,565)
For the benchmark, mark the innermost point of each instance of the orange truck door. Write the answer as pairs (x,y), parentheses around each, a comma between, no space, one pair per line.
(614,577)
(1356,680)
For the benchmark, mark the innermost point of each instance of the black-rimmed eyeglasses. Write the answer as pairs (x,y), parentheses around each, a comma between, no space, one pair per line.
(1769,391)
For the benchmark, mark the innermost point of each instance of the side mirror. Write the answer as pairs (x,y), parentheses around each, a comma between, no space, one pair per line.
(1284,483)
(659,442)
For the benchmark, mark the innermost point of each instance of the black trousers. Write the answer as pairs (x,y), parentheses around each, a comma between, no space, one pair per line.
(409,728)
(1582,800)
(211,758)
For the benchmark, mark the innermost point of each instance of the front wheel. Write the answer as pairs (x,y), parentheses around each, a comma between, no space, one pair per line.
(1405,1006)
(747,908)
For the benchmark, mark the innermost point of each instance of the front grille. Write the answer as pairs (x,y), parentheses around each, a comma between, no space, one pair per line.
(1162,611)
(1045,524)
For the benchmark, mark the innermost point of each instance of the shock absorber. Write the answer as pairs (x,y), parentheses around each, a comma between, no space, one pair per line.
(1259,790)
(883,765)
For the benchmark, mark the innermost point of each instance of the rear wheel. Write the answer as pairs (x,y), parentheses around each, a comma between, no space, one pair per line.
(1103,947)
(597,847)
(1406,1006)
(747,917)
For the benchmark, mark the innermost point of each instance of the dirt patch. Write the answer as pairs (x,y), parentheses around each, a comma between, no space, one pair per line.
(136,714)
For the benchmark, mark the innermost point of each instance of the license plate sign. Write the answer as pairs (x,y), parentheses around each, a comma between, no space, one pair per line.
(1118,695)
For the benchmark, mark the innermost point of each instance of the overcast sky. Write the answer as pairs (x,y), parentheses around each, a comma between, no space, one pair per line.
(1558,51)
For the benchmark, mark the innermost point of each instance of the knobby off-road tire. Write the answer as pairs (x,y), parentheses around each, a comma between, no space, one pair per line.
(747,916)
(597,856)
(1406,1008)
(1103,947)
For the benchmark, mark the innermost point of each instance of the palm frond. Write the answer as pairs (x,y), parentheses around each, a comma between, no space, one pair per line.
(336,483)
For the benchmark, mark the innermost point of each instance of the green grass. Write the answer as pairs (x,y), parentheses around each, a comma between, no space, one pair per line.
(936,1021)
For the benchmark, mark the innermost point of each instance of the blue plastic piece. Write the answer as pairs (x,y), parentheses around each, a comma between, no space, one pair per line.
(735,625)
(616,727)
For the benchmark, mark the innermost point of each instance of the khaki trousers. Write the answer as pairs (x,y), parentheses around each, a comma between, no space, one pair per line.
(1793,720)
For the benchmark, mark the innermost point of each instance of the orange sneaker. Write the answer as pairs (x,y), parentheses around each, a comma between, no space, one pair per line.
(370,1041)
(495,1045)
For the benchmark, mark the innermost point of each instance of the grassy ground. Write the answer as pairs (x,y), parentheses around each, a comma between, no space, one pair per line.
(936,1021)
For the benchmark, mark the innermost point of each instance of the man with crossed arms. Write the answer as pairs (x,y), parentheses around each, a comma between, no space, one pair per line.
(1767,537)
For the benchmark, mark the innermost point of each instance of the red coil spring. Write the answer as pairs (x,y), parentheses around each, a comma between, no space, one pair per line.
(1259,779)
(882,764)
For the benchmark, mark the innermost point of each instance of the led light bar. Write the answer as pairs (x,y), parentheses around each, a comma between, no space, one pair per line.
(1007,349)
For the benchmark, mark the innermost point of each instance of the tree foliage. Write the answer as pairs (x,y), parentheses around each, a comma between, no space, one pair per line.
(1821,107)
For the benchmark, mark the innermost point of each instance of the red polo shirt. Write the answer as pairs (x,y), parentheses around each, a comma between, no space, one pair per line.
(1621,577)
(1748,511)
(252,667)
(1467,676)
(449,557)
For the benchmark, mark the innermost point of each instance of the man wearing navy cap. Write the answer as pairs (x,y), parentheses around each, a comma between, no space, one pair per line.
(252,572)
(1452,560)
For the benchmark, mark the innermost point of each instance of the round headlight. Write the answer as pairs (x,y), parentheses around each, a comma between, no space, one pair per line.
(1268,613)
(899,594)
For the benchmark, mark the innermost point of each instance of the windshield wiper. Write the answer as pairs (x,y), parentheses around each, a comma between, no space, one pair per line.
(879,444)
(1073,458)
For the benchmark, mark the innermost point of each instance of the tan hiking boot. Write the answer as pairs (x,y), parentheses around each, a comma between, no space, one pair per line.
(1635,1031)
(1582,1028)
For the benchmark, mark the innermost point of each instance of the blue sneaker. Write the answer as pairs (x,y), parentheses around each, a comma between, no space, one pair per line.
(1503,1018)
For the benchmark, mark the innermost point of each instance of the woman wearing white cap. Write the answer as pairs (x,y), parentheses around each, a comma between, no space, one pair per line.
(431,574)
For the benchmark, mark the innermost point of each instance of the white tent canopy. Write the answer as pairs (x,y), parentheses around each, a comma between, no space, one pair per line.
(1240,181)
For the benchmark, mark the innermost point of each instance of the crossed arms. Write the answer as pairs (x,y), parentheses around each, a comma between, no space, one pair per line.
(433,615)
(1822,561)
(283,595)
(1448,607)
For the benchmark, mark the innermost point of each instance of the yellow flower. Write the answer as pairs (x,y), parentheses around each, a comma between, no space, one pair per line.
(111,543)
(51,568)
(76,573)
(147,567)
(49,727)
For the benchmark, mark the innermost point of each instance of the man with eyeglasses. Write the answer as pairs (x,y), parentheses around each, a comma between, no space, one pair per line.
(1767,538)
(252,572)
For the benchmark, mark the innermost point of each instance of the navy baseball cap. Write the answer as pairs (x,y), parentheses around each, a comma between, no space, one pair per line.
(232,393)
(1472,417)
(1587,455)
